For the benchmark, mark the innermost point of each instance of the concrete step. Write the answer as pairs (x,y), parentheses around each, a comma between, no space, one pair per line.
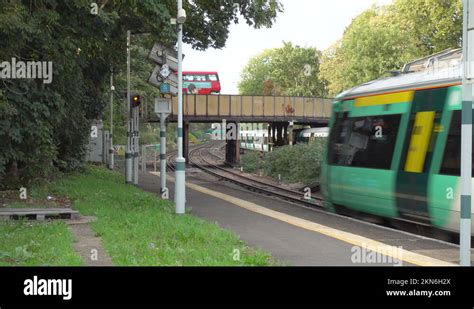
(38,213)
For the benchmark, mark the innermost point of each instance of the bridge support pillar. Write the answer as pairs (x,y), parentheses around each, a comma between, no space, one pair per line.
(279,128)
(279,133)
(269,137)
(274,134)
(232,147)
(290,134)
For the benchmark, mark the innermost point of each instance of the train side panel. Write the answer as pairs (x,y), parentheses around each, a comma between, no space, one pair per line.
(422,182)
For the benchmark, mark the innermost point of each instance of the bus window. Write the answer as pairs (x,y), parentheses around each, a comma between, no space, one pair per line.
(213,77)
(201,83)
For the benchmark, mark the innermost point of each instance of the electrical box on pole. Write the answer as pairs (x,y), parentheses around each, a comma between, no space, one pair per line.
(164,75)
(162,106)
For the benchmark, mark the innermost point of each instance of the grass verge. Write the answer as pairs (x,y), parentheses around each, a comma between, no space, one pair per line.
(37,244)
(139,229)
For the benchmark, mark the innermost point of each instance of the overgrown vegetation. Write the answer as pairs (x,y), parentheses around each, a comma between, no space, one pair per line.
(251,162)
(139,229)
(297,163)
(44,128)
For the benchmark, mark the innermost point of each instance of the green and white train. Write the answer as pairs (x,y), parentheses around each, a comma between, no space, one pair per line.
(394,148)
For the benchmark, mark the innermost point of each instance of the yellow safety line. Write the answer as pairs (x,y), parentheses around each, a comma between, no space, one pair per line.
(357,240)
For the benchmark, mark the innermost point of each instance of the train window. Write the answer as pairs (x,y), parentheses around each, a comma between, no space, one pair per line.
(372,141)
(451,164)
(367,142)
(339,133)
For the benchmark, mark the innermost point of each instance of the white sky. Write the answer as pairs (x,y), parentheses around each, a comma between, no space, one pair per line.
(307,23)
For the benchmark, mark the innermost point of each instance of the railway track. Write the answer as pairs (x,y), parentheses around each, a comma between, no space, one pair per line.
(198,158)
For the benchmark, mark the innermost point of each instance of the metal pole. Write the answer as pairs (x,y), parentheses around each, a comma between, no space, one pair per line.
(180,185)
(111,150)
(144,159)
(163,153)
(136,144)
(466,139)
(128,152)
(132,143)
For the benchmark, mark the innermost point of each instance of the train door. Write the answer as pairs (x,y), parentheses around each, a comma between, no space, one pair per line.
(413,176)
(338,138)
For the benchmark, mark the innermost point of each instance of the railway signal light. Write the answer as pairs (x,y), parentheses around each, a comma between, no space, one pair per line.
(135,100)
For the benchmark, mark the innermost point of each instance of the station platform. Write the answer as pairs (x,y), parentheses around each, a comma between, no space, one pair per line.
(298,236)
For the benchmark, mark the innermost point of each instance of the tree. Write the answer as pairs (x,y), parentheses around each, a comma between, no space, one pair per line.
(289,70)
(383,39)
(45,128)
(435,25)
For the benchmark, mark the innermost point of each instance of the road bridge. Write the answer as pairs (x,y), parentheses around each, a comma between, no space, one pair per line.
(239,108)
(277,111)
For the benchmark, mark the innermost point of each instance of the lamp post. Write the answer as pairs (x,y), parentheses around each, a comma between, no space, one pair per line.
(111,149)
(128,151)
(180,174)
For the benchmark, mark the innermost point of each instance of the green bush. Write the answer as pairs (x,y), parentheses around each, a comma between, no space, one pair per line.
(298,163)
(149,137)
(45,127)
(251,162)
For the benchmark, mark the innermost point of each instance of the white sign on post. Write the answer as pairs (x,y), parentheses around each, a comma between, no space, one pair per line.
(165,71)
(162,106)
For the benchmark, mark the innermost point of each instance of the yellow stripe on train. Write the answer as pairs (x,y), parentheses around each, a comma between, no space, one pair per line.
(383,99)
(420,140)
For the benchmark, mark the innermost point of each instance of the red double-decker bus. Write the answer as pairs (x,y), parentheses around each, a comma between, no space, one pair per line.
(201,83)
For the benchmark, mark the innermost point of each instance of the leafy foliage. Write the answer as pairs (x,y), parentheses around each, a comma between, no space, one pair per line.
(45,127)
(297,163)
(289,70)
(251,162)
(383,39)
